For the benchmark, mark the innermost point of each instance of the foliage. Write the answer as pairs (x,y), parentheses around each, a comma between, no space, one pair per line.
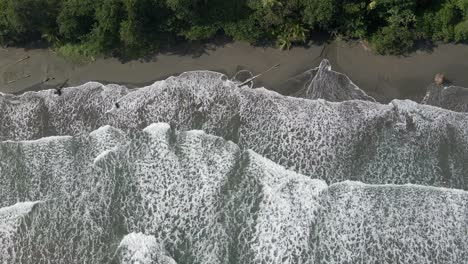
(319,13)
(392,40)
(352,19)
(119,27)
(248,29)
(106,32)
(76,19)
(439,23)
(200,32)
(77,52)
(20,20)
(461,31)
(396,34)
(140,22)
(292,33)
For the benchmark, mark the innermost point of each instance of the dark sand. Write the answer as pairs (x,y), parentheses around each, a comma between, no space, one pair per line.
(384,77)
(397,77)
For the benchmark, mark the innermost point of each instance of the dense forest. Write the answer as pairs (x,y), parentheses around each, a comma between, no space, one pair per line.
(117,27)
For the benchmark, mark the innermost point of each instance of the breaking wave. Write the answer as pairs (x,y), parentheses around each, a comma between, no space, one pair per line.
(402,142)
(194,169)
(162,196)
(450,97)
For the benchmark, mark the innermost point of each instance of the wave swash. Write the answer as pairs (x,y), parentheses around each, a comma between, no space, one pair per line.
(194,169)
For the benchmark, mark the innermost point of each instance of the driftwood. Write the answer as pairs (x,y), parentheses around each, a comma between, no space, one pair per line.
(63,84)
(58,90)
(18,61)
(258,75)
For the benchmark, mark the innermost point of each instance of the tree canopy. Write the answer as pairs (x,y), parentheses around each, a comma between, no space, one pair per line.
(129,26)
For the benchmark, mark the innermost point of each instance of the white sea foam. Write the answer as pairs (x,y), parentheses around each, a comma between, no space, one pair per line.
(354,139)
(190,196)
(141,249)
(449,97)
(200,198)
(392,223)
(11,220)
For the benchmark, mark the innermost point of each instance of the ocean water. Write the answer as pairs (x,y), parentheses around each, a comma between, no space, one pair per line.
(448,96)
(194,169)
(324,83)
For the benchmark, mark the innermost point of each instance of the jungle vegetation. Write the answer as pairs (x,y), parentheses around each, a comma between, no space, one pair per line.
(116,27)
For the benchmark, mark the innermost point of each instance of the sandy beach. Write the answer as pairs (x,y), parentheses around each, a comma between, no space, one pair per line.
(384,77)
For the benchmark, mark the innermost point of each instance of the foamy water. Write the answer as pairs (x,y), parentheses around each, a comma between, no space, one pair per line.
(193,169)
(195,198)
(402,142)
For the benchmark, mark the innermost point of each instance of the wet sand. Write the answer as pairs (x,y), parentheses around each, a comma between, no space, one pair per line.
(384,77)
(228,59)
(398,77)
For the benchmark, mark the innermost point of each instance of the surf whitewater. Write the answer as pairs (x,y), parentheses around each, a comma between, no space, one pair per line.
(194,169)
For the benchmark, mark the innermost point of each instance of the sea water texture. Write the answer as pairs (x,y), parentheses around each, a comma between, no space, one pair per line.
(324,83)
(449,97)
(194,169)
(165,196)
(401,142)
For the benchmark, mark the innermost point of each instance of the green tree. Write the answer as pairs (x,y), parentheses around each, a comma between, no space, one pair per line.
(248,29)
(352,19)
(140,23)
(104,26)
(25,20)
(393,40)
(106,32)
(291,33)
(461,31)
(347,17)
(438,22)
(197,32)
(319,13)
(76,19)
(202,19)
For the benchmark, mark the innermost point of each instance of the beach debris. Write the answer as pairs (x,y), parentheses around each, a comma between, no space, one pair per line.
(23,59)
(58,90)
(63,84)
(17,61)
(258,75)
(47,78)
(241,76)
(439,78)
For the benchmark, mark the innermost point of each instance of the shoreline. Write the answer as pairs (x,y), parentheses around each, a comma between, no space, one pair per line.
(383,77)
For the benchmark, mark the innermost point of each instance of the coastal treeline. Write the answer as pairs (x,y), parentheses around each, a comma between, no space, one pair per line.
(117,27)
